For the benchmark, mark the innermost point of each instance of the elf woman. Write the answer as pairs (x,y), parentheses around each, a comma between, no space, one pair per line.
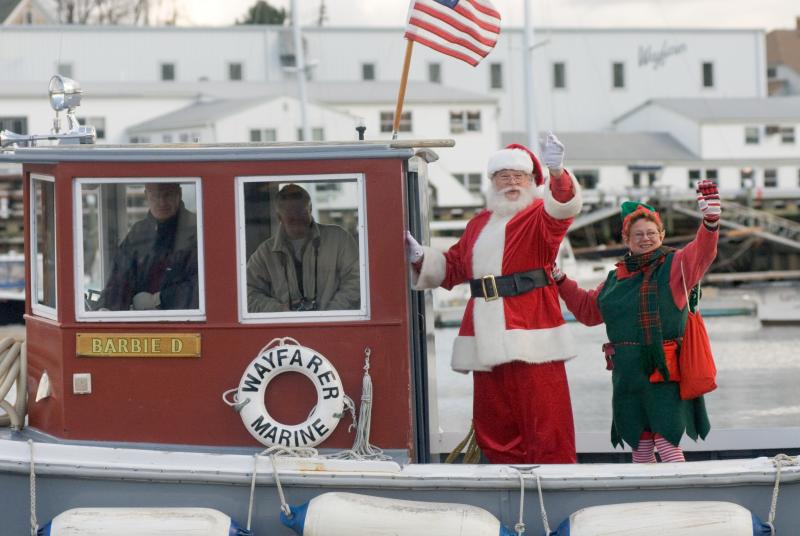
(643,304)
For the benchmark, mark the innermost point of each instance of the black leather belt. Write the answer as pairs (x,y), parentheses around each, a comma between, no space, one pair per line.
(491,287)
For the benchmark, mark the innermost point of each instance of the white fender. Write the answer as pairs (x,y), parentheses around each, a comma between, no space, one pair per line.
(346,514)
(669,518)
(273,361)
(139,521)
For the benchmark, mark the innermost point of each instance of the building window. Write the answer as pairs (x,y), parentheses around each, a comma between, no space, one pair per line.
(798,177)
(711,175)
(588,179)
(263,134)
(772,72)
(751,135)
(167,71)
(770,178)
(367,71)
(694,178)
(787,134)
(235,71)
(747,178)
(387,118)
(471,181)
(166,138)
(708,74)
(18,125)
(559,75)
(435,73)
(618,74)
(463,121)
(496,75)
(64,69)
(99,124)
(317,134)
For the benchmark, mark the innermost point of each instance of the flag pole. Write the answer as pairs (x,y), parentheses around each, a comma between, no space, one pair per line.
(401,94)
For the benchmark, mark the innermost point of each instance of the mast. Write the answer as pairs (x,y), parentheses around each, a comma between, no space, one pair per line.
(300,66)
(530,108)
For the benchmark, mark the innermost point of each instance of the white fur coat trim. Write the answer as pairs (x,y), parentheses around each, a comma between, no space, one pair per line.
(562,211)
(432,272)
(530,346)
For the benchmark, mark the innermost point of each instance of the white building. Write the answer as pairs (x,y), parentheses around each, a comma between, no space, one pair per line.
(583,78)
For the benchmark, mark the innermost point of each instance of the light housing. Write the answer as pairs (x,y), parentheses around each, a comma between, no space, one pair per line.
(65,93)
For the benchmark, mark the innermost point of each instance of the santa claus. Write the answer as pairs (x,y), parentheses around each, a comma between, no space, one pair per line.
(513,337)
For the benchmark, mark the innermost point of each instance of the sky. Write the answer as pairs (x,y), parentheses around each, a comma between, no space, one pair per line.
(764,14)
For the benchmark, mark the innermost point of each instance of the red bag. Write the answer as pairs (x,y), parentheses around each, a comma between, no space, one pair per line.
(698,372)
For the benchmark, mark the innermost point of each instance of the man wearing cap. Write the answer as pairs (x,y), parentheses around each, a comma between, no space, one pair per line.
(304,265)
(155,266)
(513,337)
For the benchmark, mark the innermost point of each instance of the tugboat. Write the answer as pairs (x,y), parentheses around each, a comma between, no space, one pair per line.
(139,409)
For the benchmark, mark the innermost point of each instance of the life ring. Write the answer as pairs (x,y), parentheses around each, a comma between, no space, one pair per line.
(275,359)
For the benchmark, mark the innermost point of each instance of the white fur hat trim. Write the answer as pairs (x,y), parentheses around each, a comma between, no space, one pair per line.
(514,159)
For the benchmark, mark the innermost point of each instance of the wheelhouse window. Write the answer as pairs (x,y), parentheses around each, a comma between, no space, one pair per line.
(139,249)
(43,246)
(302,248)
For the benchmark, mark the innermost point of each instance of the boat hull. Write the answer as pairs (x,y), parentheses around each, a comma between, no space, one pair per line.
(76,476)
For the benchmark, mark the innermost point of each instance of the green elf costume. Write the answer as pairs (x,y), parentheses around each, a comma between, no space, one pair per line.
(643,304)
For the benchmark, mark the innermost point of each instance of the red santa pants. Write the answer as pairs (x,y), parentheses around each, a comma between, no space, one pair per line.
(522,413)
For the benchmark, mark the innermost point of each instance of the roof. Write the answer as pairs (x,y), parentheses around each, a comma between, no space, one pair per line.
(617,146)
(6,7)
(728,110)
(783,48)
(196,114)
(355,92)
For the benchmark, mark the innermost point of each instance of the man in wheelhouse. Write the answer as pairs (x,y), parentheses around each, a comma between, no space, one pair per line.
(513,337)
(155,266)
(305,265)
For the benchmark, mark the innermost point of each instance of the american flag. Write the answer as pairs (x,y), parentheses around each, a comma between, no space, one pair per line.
(464,29)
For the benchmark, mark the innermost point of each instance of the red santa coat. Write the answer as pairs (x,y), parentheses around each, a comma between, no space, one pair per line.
(528,327)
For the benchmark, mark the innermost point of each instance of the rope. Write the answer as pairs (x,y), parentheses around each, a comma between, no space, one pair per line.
(13,370)
(273,452)
(778,461)
(34,522)
(472,452)
(520,526)
(362,449)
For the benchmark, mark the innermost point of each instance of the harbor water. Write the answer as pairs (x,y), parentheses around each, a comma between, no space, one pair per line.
(758,377)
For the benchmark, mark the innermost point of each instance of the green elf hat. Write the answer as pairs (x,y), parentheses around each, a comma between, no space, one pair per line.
(629,207)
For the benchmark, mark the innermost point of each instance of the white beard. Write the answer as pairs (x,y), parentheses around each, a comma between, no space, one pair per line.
(497,203)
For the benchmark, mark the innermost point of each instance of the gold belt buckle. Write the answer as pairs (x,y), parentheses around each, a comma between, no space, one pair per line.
(486,296)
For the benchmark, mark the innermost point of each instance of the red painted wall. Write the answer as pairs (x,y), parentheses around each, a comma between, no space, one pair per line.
(178,400)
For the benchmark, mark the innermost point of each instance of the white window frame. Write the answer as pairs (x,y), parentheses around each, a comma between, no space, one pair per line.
(177,315)
(36,308)
(283,317)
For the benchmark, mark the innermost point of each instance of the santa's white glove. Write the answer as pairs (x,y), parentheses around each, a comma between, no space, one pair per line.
(414,251)
(145,301)
(558,275)
(553,155)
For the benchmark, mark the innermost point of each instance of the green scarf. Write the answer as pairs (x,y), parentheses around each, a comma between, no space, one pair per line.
(649,318)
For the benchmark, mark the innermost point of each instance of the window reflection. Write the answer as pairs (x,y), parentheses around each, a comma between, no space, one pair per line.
(302,246)
(44,244)
(139,246)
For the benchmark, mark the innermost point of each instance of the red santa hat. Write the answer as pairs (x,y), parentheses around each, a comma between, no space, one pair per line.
(516,157)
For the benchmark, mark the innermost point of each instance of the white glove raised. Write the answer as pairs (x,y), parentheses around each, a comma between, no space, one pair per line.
(145,301)
(553,154)
(414,251)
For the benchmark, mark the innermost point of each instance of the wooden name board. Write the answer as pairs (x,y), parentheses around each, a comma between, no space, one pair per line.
(138,344)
